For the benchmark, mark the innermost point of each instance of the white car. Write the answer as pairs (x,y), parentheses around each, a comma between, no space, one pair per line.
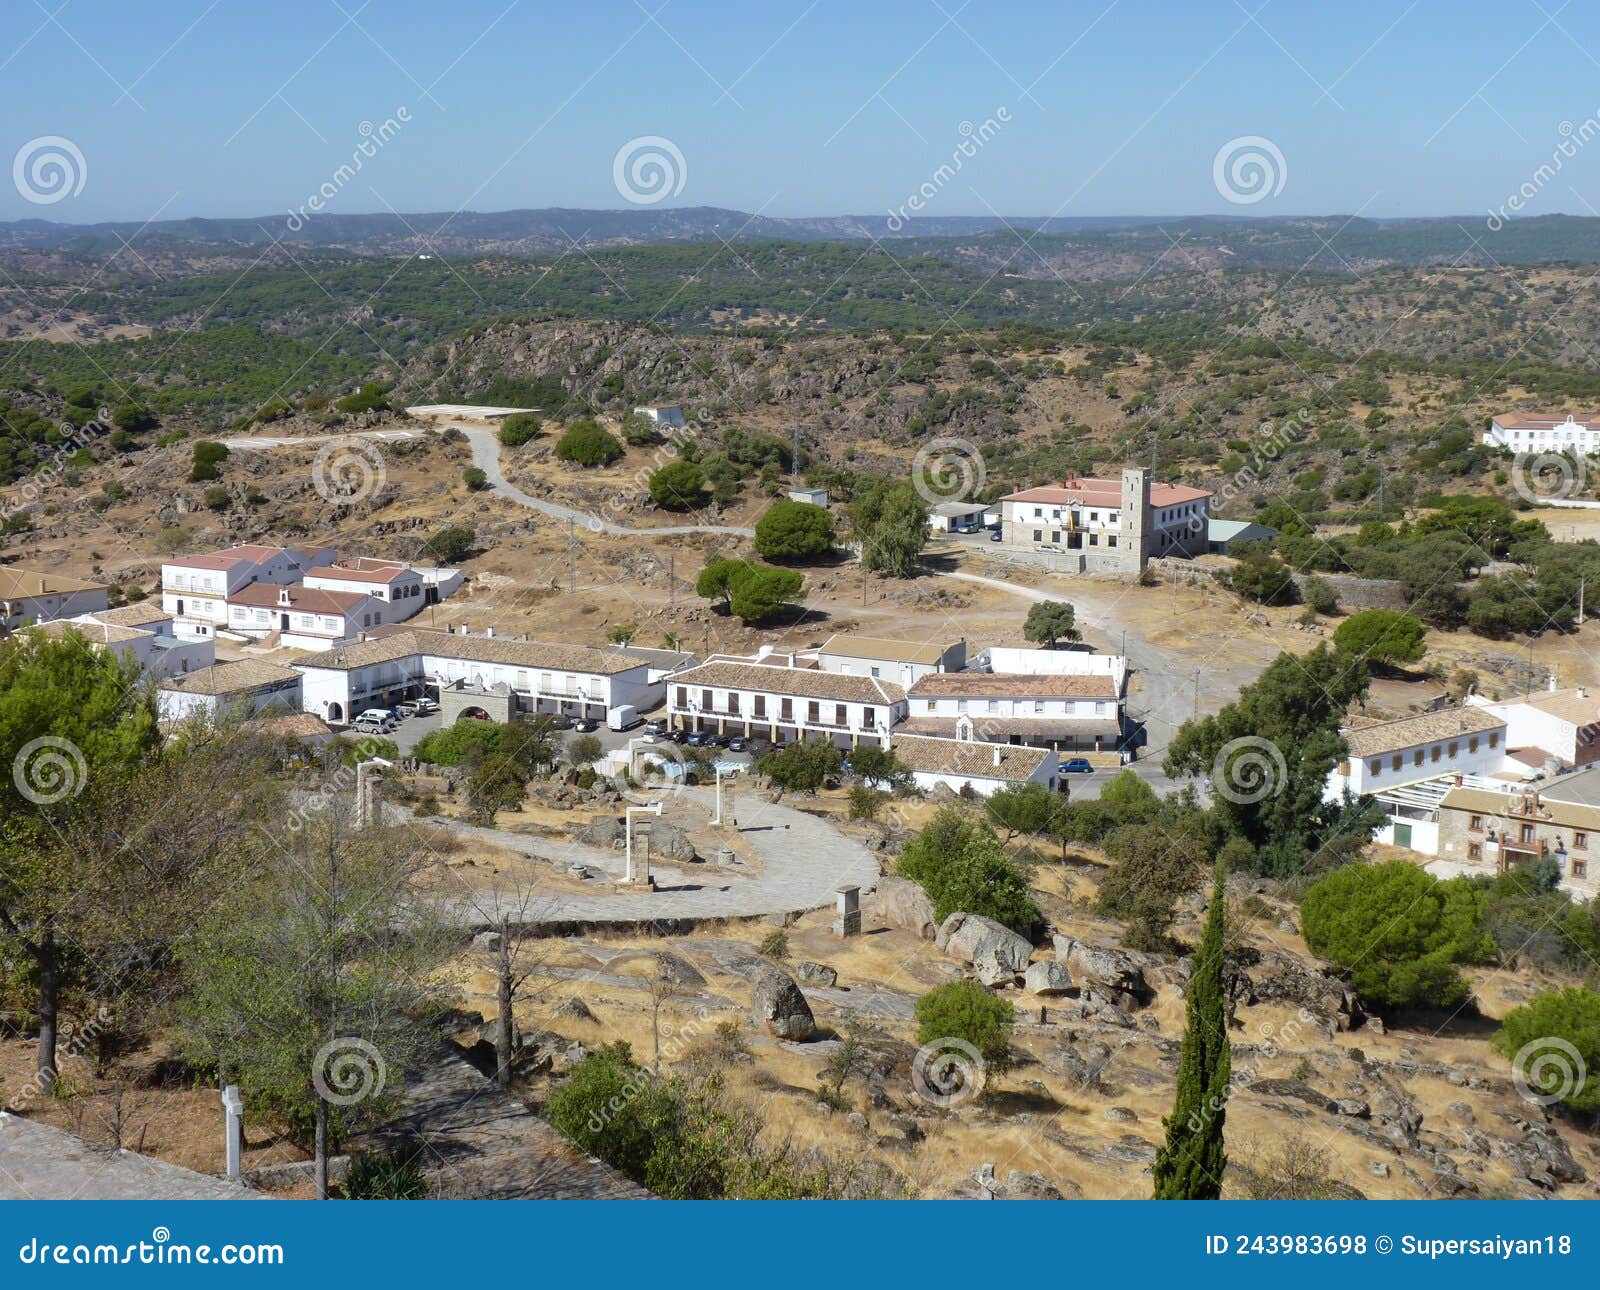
(375,721)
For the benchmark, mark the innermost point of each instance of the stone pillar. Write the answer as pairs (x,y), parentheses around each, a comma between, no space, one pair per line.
(233,1128)
(847,905)
(639,870)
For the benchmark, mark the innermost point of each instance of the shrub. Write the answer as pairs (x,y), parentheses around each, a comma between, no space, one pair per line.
(369,398)
(587,444)
(217,498)
(965,1010)
(208,455)
(1398,931)
(1321,596)
(475,479)
(391,1175)
(454,745)
(585,750)
(803,766)
(774,945)
(517,429)
(963,867)
(678,486)
(794,531)
(450,545)
(865,803)
(1553,1042)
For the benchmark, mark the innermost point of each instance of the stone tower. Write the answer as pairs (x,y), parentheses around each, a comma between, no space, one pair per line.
(1138,537)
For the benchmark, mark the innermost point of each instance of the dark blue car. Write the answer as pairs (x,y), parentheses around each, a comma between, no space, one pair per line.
(1075,766)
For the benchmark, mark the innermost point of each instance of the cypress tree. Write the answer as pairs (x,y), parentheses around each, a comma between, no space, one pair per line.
(1190,1165)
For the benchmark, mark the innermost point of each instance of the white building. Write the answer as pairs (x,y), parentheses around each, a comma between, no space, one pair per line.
(232,690)
(142,633)
(957,517)
(1564,725)
(1544,432)
(778,697)
(669,418)
(1014,660)
(903,662)
(810,496)
(967,766)
(1108,525)
(29,597)
(538,676)
(402,589)
(196,589)
(301,617)
(1066,713)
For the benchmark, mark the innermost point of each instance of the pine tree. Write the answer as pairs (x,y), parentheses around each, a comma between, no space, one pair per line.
(1190,1165)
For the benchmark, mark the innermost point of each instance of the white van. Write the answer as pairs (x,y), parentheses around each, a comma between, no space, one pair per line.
(623,717)
(376,721)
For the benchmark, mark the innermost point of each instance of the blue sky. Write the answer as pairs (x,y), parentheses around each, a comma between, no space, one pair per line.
(190,107)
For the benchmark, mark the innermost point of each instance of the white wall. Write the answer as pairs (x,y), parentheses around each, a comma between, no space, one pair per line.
(1488,757)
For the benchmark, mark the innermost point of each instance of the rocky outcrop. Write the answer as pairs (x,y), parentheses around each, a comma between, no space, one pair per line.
(1114,976)
(1047,978)
(997,954)
(816,973)
(901,903)
(778,1004)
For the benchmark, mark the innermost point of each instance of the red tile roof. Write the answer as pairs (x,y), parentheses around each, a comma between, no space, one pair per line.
(305,600)
(1104,492)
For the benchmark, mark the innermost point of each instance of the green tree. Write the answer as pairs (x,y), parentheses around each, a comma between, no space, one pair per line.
(1027,807)
(1383,637)
(750,592)
(72,718)
(878,767)
(1259,575)
(802,766)
(1190,1164)
(1153,866)
(962,866)
(892,526)
(965,1010)
(1398,931)
(519,428)
(585,750)
(450,545)
(1268,755)
(587,443)
(1553,1042)
(208,456)
(1050,621)
(794,531)
(475,479)
(679,486)
(369,398)
(305,979)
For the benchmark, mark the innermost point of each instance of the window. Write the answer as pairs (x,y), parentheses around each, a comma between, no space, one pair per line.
(1374,766)
(1433,753)
(683,693)
(1038,705)
(1395,761)
(1454,748)
(961,705)
(1475,823)
(1111,541)
(1527,833)
(841,716)
(994,705)
(1474,851)
(1494,738)
(1416,758)
(1038,536)
(1472,744)
(1580,867)
(876,672)
(814,712)
(1580,840)
(932,706)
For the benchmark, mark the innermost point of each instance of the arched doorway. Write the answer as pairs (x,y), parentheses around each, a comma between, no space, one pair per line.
(335,712)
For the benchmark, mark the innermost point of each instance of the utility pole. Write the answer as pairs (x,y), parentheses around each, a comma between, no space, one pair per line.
(572,569)
(672,578)
(1197,692)
(1581,581)
(794,459)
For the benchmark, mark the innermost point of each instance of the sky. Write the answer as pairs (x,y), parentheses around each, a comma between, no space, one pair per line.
(117,111)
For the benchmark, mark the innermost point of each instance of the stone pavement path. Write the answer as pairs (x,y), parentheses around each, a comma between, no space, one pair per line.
(803,859)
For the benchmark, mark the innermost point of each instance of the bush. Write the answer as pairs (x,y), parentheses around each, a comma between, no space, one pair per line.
(369,398)
(679,486)
(585,750)
(207,457)
(865,803)
(217,498)
(392,1175)
(454,745)
(803,766)
(1321,596)
(963,867)
(1384,637)
(774,945)
(475,479)
(516,430)
(450,545)
(587,444)
(965,1010)
(1398,931)
(794,531)
(1553,1042)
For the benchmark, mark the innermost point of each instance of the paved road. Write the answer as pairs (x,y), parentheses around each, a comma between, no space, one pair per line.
(803,860)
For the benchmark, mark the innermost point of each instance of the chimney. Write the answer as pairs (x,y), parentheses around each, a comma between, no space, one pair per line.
(997,756)
(1583,692)
(790,657)
(488,631)
(1551,684)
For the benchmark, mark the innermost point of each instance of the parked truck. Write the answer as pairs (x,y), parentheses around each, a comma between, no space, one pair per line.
(623,717)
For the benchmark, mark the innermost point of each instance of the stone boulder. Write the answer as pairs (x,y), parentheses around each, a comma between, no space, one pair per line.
(997,954)
(778,1004)
(1298,1091)
(605,831)
(901,903)
(677,969)
(816,973)
(1047,978)
(671,844)
(1116,972)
